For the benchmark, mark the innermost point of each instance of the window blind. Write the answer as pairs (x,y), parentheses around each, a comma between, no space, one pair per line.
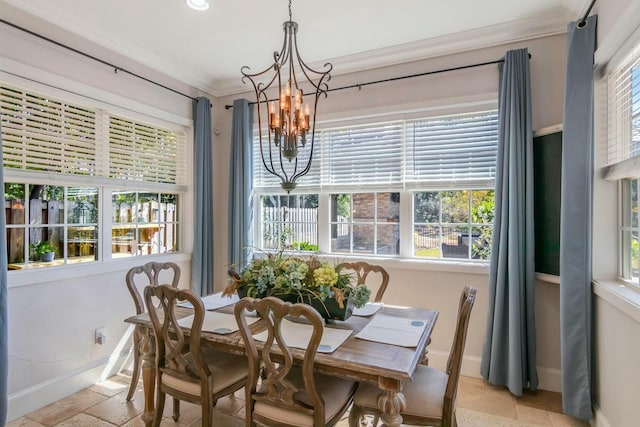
(264,180)
(371,154)
(623,119)
(47,135)
(452,149)
(141,152)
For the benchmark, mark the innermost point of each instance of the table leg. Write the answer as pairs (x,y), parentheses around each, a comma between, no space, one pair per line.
(148,355)
(391,403)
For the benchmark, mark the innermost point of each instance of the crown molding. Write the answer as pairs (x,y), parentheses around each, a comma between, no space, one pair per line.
(495,35)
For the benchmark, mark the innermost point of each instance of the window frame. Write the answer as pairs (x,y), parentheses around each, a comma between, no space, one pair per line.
(114,105)
(406,255)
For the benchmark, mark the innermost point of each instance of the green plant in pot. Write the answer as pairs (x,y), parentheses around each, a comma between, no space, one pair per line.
(293,279)
(43,250)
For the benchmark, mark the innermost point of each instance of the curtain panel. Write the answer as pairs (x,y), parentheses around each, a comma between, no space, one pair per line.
(241,184)
(202,255)
(576,221)
(509,351)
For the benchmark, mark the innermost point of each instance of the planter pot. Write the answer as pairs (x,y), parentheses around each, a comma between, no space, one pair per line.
(329,309)
(48,257)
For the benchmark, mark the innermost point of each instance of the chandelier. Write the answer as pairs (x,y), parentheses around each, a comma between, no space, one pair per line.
(289,125)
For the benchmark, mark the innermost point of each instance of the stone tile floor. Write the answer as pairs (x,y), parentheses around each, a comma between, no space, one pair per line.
(103,405)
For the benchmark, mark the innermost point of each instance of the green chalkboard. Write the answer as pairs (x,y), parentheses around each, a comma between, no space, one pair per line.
(547,164)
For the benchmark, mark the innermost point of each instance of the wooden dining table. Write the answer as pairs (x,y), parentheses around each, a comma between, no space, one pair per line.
(385,365)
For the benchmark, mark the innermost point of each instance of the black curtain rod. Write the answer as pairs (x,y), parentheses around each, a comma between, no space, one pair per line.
(583,21)
(359,85)
(116,68)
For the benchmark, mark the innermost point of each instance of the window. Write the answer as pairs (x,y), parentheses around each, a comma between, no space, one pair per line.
(365,223)
(143,223)
(453,224)
(289,222)
(623,152)
(442,167)
(53,148)
(62,220)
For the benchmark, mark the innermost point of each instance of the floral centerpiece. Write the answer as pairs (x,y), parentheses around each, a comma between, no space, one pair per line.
(294,279)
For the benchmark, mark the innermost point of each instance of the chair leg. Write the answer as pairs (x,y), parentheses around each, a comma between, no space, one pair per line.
(135,375)
(176,409)
(206,412)
(157,417)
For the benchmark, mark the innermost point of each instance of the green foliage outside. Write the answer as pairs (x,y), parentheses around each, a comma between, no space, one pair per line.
(42,248)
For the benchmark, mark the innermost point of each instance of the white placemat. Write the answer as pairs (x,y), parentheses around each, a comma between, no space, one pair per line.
(219,323)
(393,330)
(214,301)
(368,309)
(298,335)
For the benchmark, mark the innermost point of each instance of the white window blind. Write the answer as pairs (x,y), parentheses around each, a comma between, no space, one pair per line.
(453,149)
(47,135)
(623,119)
(371,154)
(141,152)
(264,180)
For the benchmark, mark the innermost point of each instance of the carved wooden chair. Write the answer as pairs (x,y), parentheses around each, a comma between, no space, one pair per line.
(431,396)
(152,271)
(362,270)
(288,395)
(185,370)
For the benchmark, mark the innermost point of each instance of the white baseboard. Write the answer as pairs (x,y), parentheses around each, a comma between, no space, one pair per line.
(598,420)
(39,395)
(548,378)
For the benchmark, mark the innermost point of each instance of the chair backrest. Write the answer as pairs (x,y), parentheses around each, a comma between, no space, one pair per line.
(177,355)
(152,270)
(454,364)
(276,389)
(362,270)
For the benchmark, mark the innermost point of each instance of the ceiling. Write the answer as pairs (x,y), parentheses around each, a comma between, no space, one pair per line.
(207,49)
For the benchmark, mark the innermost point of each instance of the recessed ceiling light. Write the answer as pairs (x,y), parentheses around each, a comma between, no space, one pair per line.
(198,4)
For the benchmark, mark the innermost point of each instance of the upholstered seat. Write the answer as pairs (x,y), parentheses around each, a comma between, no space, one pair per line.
(432,394)
(184,369)
(334,391)
(289,395)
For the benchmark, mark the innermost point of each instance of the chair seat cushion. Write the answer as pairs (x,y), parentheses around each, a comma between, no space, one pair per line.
(424,395)
(226,370)
(336,392)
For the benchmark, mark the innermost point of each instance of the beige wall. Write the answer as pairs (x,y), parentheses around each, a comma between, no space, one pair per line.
(414,283)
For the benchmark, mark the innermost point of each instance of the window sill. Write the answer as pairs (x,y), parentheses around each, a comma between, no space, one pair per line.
(18,278)
(416,264)
(622,296)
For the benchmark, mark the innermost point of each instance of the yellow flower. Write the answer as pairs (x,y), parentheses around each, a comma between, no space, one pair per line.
(325,276)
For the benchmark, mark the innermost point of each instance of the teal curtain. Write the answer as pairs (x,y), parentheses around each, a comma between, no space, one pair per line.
(576,221)
(241,184)
(4,350)
(202,254)
(509,351)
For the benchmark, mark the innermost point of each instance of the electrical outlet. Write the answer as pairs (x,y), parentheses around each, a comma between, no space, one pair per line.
(101,335)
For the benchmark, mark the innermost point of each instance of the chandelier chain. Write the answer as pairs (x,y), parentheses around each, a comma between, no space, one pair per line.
(290,19)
